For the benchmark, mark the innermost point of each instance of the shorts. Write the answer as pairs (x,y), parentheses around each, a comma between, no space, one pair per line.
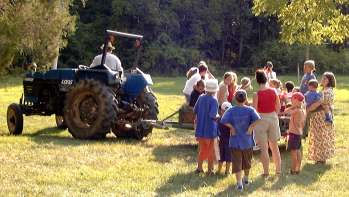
(268,129)
(208,149)
(224,151)
(294,141)
(241,159)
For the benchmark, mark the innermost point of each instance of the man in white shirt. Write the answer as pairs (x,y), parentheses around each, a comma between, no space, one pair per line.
(268,69)
(111,60)
(203,73)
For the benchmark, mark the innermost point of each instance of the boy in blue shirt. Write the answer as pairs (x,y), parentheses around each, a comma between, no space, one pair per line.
(312,96)
(206,133)
(241,119)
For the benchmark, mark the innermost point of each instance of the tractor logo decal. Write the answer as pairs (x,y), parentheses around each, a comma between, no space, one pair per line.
(67,82)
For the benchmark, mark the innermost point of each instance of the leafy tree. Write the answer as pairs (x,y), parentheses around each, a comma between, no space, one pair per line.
(309,22)
(179,33)
(36,29)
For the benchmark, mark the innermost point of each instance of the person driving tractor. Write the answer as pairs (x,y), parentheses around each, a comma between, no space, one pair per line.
(112,61)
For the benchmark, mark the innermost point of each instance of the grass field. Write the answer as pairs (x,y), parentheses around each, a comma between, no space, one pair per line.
(45,161)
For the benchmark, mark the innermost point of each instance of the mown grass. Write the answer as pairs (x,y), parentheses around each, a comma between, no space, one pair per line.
(45,161)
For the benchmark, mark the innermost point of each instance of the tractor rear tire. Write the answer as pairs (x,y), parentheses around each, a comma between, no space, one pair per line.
(15,119)
(60,122)
(89,110)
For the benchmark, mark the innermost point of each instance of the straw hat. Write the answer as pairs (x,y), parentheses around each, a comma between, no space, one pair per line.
(212,85)
(298,96)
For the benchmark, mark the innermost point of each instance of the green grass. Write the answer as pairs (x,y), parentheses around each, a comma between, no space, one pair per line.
(45,161)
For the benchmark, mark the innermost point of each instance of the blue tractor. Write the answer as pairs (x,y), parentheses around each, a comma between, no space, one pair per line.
(90,102)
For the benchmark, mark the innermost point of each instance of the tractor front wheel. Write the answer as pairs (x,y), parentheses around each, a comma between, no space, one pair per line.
(14,119)
(148,102)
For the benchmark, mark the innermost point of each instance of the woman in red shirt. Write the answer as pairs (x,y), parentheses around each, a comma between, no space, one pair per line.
(267,133)
(232,87)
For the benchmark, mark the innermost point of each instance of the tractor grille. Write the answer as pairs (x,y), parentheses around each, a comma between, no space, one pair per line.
(28,88)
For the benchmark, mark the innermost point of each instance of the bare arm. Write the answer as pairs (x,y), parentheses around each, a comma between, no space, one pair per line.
(288,110)
(220,96)
(210,76)
(195,119)
(277,105)
(255,101)
(313,106)
(253,126)
(231,128)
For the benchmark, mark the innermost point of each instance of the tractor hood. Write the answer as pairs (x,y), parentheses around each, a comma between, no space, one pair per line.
(146,77)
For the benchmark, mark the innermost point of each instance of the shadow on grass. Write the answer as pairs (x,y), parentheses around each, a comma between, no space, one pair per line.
(165,153)
(182,182)
(50,136)
(310,174)
(231,190)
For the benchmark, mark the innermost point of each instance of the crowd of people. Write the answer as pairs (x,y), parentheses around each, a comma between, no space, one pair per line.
(228,125)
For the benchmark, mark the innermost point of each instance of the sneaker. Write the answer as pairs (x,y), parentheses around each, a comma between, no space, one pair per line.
(246,182)
(197,171)
(256,148)
(294,172)
(240,188)
(328,118)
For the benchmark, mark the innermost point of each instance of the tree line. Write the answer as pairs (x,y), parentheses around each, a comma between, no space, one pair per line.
(229,34)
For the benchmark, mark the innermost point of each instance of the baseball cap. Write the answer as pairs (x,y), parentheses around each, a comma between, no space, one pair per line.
(212,85)
(226,105)
(298,96)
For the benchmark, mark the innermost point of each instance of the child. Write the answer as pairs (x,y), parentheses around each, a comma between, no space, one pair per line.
(295,131)
(232,87)
(239,118)
(223,92)
(285,97)
(206,112)
(276,84)
(224,134)
(309,68)
(199,89)
(245,84)
(296,89)
(289,86)
(312,96)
